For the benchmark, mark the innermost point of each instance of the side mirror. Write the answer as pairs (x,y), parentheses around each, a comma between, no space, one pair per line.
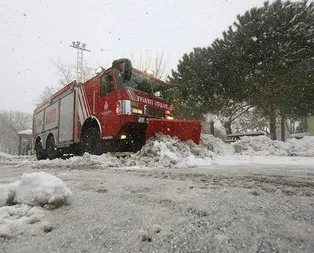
(125,66)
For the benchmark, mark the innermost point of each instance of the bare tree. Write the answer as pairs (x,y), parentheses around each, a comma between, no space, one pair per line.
(45,94)
(11,122)
(67,73)
(154,62)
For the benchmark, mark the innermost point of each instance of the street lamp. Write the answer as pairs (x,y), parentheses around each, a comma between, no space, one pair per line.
(79,58)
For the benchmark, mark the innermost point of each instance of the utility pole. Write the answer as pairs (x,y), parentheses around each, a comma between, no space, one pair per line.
(81,47)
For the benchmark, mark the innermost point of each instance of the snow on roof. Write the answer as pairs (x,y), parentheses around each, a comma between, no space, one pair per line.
(26,132)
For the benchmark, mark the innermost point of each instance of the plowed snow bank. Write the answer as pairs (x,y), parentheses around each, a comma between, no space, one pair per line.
(216,145)
(302,147)
(260,145)
(264,146)
(166,151)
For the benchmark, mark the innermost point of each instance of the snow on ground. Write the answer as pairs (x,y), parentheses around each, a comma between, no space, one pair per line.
(121,200)
(40,189)
(159,151)
(21,203)
(263,160)
(260,145)
(5,156)
(264,146)
(7,193)
(21,219)
(14,158)
(165,151)
(83,162)
(35,189)
(302,147)
(216,145)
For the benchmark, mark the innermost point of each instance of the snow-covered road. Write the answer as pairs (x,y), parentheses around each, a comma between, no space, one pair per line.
(231,204)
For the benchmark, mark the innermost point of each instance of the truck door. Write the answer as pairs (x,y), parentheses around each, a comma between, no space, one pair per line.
(107,104)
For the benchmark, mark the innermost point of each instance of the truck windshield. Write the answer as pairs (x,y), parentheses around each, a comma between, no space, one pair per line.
(143,83)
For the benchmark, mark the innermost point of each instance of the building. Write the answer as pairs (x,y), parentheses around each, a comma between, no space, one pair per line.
(25,142)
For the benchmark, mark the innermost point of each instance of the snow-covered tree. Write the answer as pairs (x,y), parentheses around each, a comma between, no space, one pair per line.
(264,59)
(205,92)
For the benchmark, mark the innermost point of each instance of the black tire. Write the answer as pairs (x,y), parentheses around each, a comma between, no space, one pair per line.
(91,141)
(136,143)
(51,150)
(40,152)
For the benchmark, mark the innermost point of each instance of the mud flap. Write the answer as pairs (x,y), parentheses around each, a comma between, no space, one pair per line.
(183,129)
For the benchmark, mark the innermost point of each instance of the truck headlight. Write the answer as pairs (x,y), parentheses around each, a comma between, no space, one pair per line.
(137,111)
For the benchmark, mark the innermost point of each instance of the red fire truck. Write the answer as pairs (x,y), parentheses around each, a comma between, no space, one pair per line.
(117,110)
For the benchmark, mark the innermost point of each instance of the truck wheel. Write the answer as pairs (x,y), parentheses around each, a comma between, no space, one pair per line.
(40,152)
(52,151)
(135,143)
(90,141)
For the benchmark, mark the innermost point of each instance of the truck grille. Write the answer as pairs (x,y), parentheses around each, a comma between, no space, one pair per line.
(154,112)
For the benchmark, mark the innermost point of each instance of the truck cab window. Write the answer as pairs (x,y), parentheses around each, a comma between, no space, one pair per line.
(106,85)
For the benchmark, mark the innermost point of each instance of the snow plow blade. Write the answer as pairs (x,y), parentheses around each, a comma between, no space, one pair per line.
(183,129)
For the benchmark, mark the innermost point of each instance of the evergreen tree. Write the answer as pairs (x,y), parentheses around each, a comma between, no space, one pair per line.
(203,93)
(266,58)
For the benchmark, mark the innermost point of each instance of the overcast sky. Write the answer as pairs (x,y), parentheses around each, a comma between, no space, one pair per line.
(36,33)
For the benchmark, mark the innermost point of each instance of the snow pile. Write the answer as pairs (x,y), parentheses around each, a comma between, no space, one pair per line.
(167,151)
(264,146)
(10,158)
(36,189)
(14,159)
(20,219)
(301,147)
(4,156)
(41,188)
(30,193)
(260,145)
(7,194)
(77,162)
(216,145)
(105,160)
(161,150)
